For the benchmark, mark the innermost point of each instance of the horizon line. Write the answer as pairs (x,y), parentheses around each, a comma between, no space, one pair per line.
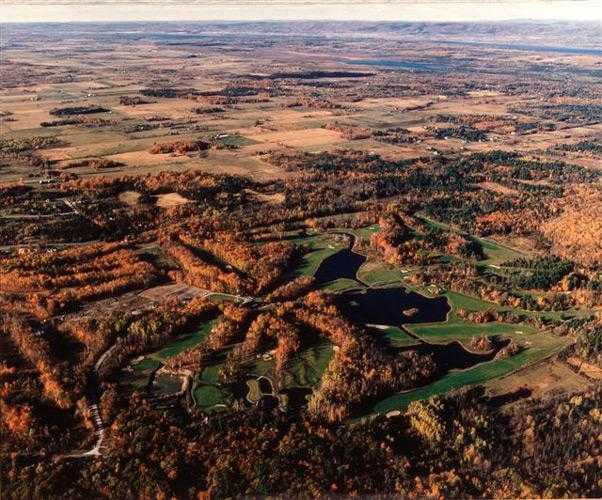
(434,11)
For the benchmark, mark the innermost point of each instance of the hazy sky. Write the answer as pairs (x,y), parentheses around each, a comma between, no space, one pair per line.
(73,10)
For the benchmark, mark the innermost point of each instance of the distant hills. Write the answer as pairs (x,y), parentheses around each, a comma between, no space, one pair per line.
(523,33)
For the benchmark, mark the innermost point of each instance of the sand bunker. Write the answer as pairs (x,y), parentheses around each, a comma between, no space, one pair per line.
(129,197)
(170,200)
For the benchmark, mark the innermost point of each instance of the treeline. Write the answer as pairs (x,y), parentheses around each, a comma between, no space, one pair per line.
(542,273)
(40,413)
(127,100)
(197,272)
(84,121)
(78,110)
(16,146)
(180,147)
(135,335)
(397,135)
(168,92)
(582,146)
(36,349)
(50,283)
(463,132)
(461,445)
(349,132)
(207,110)
(224,264)
(571,113)
(96,164)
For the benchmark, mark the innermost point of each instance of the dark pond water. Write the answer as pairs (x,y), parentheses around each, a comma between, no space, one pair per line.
(453,356)
(265,386)
(386,306)
(297,396)
(268,402)
(343,264)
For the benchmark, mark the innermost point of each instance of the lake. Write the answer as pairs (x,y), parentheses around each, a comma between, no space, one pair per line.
(386,306)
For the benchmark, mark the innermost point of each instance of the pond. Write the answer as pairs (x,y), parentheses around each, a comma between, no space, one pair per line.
(392,306)
(453,356)
(343,264)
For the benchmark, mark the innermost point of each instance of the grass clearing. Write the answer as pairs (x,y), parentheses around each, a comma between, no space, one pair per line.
(497,253)
(185,343)
(176,347)
(364,233)
(463,331)
(535,347)
(461,301)
(380,273)
(305,368)
(341,285)
(208,396)
(322,246)
(398,337)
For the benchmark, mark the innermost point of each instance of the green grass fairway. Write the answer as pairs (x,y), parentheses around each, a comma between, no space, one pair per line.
(207,396)
(147,363)
(341,285)
(312,260)
(183,343)
(380,273)
(476,375)
(221,297)
(210,374)
(146,366)
(321,247)
(176,347)
(235,140)
(365,232)
(461,301)
(497,253)
(443,333)
(305,369)
(398,337)
(535,346)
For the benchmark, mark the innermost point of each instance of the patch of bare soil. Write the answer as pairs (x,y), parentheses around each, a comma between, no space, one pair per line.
(273,199)
(551,376)
(170,200)
(587,369)
(497,188)
(129,197)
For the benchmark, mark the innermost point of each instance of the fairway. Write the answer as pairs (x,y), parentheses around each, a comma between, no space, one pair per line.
(179,345)
(534,347)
